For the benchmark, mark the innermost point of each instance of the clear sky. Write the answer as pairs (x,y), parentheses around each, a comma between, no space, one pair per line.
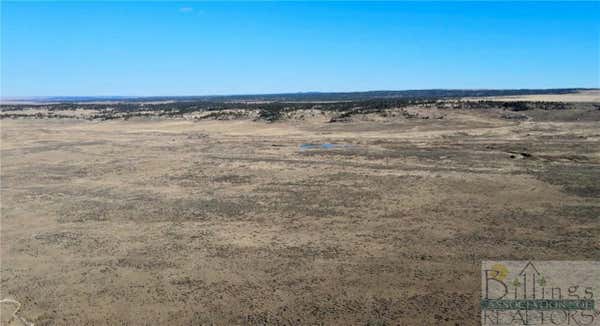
(199,48)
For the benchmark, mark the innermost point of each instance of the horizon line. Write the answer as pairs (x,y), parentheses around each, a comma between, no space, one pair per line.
(297,92)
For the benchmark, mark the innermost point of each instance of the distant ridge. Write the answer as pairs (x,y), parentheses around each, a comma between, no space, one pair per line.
(304,96)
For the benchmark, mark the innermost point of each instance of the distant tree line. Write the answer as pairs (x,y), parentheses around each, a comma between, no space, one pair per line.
(269,111)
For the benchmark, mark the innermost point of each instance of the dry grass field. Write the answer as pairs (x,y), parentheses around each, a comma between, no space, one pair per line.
(180,222)
(592,96)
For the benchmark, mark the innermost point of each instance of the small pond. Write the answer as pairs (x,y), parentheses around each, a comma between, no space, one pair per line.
(325,146)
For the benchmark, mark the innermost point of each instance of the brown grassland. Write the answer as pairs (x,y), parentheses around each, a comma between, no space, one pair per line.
(184,222)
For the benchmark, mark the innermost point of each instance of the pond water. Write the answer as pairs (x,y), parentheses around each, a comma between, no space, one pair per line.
(325,146)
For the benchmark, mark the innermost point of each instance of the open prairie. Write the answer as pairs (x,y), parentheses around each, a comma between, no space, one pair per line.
(382,219)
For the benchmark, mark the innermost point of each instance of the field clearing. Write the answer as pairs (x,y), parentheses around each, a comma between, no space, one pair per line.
(590,96)
(170,221)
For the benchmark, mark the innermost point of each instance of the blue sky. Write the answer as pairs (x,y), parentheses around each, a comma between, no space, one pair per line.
(200,48)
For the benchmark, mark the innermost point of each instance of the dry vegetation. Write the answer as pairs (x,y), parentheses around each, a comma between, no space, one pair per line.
(185,219)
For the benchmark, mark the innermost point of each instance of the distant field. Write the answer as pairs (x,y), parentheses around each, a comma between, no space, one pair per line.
(579,96)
